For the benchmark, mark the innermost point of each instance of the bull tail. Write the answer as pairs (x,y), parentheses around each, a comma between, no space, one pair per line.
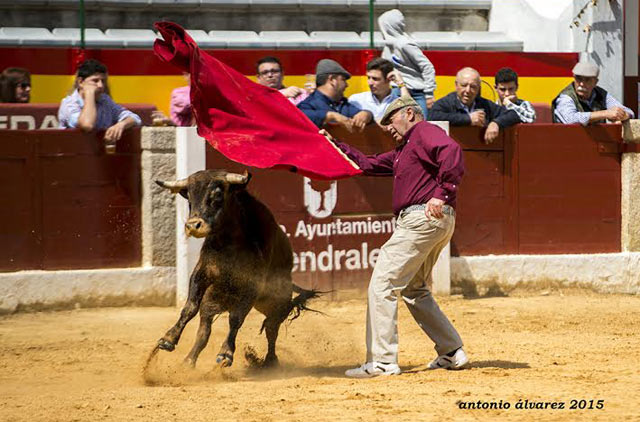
(299,303)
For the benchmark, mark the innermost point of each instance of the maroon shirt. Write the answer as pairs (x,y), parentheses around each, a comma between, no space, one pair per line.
(427,165)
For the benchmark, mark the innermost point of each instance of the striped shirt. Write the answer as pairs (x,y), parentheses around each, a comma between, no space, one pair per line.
(523,109)
(566,111)
(108,112)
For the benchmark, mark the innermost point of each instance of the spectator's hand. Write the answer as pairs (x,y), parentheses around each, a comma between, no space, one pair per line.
(292,92)
(434,208)
(395,77)
(310,84)
(491,134)
(158,118)
(361,119)
(617,114)
(114,133)
(430,102)
(477,118)
(89,90)
(338,119)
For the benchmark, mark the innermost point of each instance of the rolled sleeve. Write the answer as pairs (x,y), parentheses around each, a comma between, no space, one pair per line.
(567,112)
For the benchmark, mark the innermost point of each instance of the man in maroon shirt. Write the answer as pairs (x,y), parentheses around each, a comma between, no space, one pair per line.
(426,167)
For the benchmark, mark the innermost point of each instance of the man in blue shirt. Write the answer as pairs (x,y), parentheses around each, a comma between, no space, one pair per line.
(327,105)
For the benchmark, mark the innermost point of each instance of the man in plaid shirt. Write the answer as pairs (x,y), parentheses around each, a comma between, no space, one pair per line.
(507,88)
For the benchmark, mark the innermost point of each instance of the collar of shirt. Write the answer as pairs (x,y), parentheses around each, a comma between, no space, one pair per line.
(461,106)
(385,100)
(333,104)
(78,98)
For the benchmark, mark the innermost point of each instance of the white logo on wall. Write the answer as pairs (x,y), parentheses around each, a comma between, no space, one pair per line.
(320,197)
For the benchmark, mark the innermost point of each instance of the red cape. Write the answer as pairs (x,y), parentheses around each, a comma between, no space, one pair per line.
(247,122)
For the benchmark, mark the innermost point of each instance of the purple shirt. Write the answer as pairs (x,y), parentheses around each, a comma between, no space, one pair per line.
(427,165)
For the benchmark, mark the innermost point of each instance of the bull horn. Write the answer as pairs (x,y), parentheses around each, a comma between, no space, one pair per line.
(240,179)
(174,187)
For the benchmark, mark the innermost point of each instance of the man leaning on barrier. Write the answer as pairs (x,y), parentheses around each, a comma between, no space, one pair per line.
(584,102)
(90,108)
(427,168)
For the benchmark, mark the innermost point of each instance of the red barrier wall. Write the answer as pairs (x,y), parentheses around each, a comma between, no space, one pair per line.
(68,204)
(45,116)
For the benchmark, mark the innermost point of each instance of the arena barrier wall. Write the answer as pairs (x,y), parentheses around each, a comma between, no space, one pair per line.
(45,116)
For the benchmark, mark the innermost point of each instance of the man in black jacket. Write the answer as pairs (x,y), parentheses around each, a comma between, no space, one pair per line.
(465,107)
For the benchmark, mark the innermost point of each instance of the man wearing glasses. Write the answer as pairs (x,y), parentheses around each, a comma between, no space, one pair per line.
(269,70)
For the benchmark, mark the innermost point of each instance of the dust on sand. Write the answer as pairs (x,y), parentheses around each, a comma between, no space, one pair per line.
(86,365)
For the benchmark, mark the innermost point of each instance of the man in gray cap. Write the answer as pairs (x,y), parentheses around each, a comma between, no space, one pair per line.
(327,105)
(426,167)
(586,103)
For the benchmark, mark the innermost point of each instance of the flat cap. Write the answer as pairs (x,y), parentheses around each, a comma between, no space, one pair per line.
(331,67)
(396,105)
(586,69)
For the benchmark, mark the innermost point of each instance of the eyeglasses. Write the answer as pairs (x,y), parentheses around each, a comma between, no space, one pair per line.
(24,85)
(270,71)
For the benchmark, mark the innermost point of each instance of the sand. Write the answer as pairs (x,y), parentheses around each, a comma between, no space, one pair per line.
(533,348)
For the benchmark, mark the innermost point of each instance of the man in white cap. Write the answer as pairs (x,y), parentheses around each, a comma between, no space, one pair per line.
(586,103)
(426,167)
(327,104)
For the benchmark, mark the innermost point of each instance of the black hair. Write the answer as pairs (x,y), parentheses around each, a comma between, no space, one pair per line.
(383,65)
(268,59)
(90,67)
(506,74)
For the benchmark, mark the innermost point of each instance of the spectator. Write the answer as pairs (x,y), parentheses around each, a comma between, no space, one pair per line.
(401,49)
(90,108)
(15,85)
(179,108)
(380,74)
(327,105)
(584,102)
(507,87)
(465,107)
(270,73)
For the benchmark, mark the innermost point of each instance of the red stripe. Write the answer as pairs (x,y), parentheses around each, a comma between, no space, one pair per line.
(58,61)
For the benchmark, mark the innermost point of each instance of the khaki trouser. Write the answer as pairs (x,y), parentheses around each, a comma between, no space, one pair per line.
(404,263)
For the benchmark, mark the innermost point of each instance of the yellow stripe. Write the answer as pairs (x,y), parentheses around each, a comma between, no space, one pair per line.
(157,89)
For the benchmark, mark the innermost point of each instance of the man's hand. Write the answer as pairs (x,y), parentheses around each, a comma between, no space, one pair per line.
(395,77)
(89,90)
(334,118)
(617,114)
(491,134)
(114,133)
(434,208)
(430,102)
(361,119)
(292,91)
(477,118)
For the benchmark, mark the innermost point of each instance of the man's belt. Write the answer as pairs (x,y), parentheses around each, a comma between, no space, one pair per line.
(446,209)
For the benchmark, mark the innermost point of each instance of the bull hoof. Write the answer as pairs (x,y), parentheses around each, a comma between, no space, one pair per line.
(166,345)
(270,362)
(225,360)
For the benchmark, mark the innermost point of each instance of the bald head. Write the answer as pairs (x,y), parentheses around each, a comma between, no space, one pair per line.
(467,85)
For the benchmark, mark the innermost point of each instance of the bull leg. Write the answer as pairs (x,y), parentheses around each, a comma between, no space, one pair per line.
(196,290)
(228,348)
(272,327)
(207,312)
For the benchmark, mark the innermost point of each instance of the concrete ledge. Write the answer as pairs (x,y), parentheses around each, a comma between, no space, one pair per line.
(48,290)
(603,273)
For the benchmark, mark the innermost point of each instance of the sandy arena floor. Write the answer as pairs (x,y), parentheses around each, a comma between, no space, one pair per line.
(85,365)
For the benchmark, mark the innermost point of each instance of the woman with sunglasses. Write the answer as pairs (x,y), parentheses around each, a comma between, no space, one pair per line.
(15,85)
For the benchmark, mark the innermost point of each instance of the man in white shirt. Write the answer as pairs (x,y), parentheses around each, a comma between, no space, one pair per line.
(380,74)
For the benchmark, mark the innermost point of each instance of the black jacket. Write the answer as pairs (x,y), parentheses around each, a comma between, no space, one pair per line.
(450,109)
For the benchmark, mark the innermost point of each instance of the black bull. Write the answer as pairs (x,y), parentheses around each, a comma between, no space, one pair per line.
(245,262)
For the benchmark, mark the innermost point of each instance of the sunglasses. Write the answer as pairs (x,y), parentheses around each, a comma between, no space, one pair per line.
(24,85)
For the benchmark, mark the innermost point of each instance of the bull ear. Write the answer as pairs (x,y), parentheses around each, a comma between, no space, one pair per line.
(238,179)
(179,186)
